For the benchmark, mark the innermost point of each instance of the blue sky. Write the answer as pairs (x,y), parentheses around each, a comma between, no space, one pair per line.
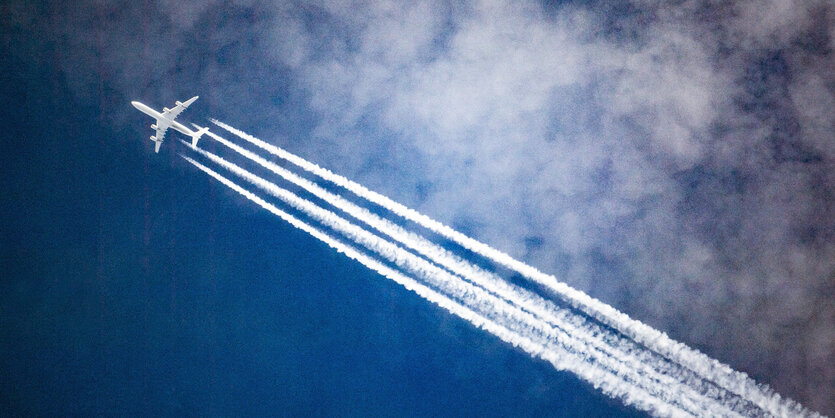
(673,161)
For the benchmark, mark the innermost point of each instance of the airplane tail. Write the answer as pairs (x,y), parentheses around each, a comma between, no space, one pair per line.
(197,135)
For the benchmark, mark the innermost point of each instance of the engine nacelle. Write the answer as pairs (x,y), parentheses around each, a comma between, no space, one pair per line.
(178,103)
(153,126)
(164,109)
(153,138)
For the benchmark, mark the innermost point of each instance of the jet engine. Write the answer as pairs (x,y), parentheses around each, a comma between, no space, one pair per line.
(153,126)
(153,138)
(178,103)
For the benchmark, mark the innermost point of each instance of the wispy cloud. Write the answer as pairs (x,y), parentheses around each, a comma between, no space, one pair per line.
(677,150)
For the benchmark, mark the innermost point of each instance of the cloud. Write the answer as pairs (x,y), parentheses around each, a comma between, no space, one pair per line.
(671,173)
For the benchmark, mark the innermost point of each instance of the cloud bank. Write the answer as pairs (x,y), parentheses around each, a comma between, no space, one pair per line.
(675,161)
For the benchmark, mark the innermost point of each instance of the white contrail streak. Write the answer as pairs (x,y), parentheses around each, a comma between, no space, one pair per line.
(670,390)
(708,368)
(563,360)
(611,345)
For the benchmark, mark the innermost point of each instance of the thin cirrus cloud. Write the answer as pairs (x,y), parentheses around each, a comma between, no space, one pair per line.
(689,158)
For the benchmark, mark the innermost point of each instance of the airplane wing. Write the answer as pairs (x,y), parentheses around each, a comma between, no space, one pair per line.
(172,114)
(162,126)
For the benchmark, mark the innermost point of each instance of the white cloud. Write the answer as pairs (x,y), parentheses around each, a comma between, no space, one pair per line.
(615,155)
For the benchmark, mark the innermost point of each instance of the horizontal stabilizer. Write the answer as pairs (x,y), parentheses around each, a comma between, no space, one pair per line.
(196,135)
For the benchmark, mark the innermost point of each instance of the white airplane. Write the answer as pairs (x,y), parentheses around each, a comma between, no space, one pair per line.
(166,120)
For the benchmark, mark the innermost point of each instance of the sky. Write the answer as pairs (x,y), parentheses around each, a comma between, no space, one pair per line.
(674,160)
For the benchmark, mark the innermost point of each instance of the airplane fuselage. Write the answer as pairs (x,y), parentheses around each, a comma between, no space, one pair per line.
(158,116)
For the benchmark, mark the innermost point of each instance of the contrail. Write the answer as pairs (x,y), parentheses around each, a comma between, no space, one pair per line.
(600,339)
(670,391)
(723,375)
(562,360)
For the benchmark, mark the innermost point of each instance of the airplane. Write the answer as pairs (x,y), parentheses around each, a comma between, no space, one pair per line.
(166,120)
